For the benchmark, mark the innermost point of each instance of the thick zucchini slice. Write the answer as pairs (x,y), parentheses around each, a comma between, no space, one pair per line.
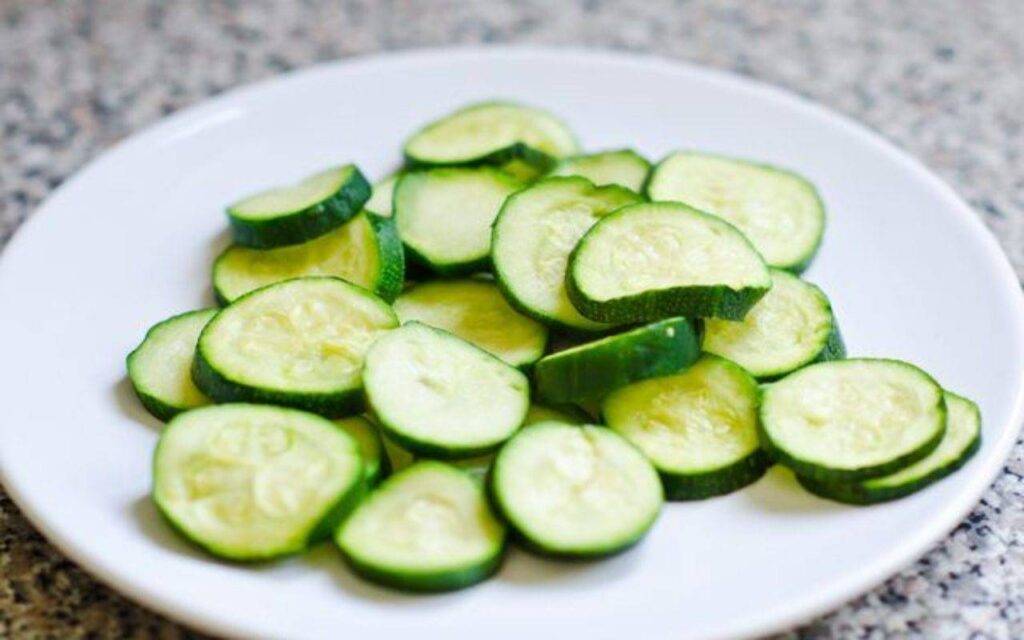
(849,420)
(533,236)
(301,212)
(371,448)
(475,311)
(253,482)
(298,343)
(427,528)
(790,327)
(623,167)
(653,260)
(383,192)
(961,441)
(494,133)
(365,251)
(778,210)
(593,369)
(575,491)
(444,216)
(442,397)
(159,368)
(698,428)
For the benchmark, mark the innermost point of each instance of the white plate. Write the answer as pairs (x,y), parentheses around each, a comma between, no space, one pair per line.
(912,272)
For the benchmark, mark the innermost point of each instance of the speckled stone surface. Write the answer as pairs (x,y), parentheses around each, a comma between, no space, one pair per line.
(943,79)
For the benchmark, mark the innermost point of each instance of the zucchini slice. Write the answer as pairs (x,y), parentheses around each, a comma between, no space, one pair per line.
(444,216)
(366,251)
(159,368)
(568,414)
(961,441)
(495,133)
(623,167)
(253,482)
(300,212)
(427,528)
(380,200)
(533,236)
(442,397)
(790,327)
(575,491)
(475,311)
(371,448)
(398,457)
(653,260)
(778,210)
(593,369)
(298,343)
(698,428)
(850,420)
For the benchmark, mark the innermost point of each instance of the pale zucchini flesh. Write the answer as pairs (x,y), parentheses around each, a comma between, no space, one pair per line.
(623,167)
(382,196)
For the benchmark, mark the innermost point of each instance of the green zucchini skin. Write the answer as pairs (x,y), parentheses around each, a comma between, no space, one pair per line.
(593,369)
(698,486)
(157,407)
(391,277)
(306,224)
(426,582)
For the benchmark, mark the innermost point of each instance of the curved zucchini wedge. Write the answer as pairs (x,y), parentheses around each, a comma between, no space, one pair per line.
(593,369)
(790,327)
(623,167)
(475,311)
(850,420)
(371,448)
(441,397)
(298,343)
(366,251)
(382,196)
(698,428)
(575,491)
(159,368)
(253,482)
(533,236)
(777,209)
(492,133)
(654,260)
(301,212)
(427,528)
(961,441)
(444,216)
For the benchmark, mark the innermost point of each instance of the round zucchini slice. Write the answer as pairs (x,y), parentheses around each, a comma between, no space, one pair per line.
(159,368)
(301,212)
(533,236)
(849,420)
(623,167)
(381,199)
(254,482)
(441,397)
(427,528)
(366,251)
(475,311)
(298,343)
(575,491)
(593,369)
(790,327)
(654,260)
(371,448)
(698,428)
(778,210)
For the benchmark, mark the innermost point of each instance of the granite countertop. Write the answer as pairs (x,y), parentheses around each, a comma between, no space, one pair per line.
(944,80)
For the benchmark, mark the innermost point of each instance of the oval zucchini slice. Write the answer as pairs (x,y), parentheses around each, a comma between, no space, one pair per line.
(442,397)
(382,196)
(475,311)
(533,236)
(301,212)
(575,491)
(854,419)
(298,343)
(778,210)
(444,216)
(961,441)
(427,528)
(790,327)
(593,369)
(253,482)
(495,133)
(623,167)
(366,251)
(371,448)
(698,428)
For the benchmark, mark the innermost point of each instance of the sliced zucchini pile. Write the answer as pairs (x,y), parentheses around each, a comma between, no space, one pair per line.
(677,352)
